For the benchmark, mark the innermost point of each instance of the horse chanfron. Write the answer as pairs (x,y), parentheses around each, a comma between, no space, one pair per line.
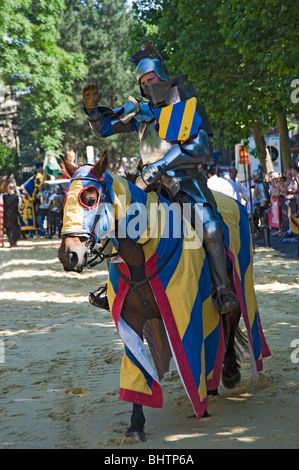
(80,214)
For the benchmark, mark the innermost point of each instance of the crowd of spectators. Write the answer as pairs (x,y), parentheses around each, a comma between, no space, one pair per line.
(284,188)
(46,207)
(49,210)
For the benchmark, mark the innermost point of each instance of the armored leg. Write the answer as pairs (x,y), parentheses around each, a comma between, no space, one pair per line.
(214,245)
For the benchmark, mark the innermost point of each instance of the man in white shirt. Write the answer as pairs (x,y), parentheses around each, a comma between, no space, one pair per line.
(220,184)
(242,192)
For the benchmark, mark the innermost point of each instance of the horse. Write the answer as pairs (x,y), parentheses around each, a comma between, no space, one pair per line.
(5,181)
(160,287)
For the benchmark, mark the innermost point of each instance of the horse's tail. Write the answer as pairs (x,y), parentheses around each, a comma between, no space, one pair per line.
(240,339)
(241,344)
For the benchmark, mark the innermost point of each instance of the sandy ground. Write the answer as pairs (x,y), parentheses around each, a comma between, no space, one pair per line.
(59,376)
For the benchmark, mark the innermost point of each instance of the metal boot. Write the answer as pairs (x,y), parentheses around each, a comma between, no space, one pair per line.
(225,300)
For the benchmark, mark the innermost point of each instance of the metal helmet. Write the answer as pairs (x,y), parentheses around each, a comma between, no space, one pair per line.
(148,59)
(257,175)
(152,65)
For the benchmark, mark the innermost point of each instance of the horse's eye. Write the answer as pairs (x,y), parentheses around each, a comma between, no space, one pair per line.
(89,197)
(91,201)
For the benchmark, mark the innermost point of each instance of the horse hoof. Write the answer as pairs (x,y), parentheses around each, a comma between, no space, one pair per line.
(137,435)
(213,393)
(231,376)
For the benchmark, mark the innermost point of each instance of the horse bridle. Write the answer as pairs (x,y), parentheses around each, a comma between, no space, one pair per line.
(90,243)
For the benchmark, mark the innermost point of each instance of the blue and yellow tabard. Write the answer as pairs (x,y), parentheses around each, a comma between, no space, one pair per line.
(179,122)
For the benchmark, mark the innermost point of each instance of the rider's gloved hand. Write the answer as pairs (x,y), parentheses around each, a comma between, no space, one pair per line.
(90,96)
(151,173)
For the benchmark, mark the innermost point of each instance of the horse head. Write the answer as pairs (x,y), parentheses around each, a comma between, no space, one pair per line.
(85,193)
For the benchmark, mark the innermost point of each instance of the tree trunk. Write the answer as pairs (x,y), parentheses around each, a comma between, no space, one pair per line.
(260,145)
(285,147)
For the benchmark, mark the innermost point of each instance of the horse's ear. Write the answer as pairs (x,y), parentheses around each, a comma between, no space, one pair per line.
(101,166)
(70,168)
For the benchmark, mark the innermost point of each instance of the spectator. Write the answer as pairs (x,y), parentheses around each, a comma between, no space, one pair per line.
(43,208)
(55,211)
(52,169)
(261,200)
(295,176)
(11,202)
(242,192)
(71,157)
(220,184)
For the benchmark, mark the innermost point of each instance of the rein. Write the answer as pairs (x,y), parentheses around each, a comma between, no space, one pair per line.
(98,253)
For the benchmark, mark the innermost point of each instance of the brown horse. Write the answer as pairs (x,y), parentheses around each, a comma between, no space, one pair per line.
(5,181)
(139,305)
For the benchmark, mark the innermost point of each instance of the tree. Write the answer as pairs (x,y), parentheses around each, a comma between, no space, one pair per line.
(8,160)
(101,29)
(40,72)
(231,51)
(266,32)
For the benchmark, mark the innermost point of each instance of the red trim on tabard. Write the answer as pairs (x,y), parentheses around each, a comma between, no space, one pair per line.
(213,383)
(155,400)
(122,291)
(174,337)
(265,349)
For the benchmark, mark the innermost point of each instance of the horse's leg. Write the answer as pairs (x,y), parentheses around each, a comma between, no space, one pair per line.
(136,430)
(230,373)
(135,314)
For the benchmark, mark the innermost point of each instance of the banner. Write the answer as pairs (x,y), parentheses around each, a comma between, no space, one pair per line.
(274,215)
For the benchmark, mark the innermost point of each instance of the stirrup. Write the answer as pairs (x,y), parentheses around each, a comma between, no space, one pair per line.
(99,300)
(226,300)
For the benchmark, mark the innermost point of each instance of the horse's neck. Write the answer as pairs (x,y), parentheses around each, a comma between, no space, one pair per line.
(146,230)
(118,185)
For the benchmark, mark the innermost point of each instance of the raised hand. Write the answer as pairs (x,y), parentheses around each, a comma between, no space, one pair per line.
(90,96)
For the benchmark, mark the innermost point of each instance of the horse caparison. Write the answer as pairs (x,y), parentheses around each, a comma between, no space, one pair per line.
(73,255)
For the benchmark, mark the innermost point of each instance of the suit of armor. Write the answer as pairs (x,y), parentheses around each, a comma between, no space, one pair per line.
(261,199)
(172,153)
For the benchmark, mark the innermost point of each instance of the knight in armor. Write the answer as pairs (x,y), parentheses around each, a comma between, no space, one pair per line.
(261,200)
(173,130)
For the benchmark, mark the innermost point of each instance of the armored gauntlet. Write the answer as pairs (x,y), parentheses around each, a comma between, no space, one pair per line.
(90,96)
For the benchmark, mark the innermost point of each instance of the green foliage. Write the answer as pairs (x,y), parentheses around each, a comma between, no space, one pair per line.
(32,63)
(8,160)
(242,56)
(101,35)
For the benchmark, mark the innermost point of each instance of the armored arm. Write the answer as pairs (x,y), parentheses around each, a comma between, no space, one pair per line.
(104,121)
(261,194)
(264,195)
(181,156)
